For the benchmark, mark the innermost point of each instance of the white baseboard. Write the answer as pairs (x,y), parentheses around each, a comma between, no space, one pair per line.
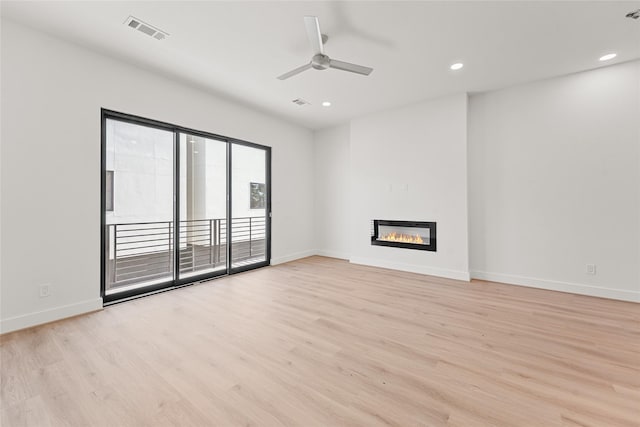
(332,254)
(412,268)
(554,285)
(293,257)
(45,316)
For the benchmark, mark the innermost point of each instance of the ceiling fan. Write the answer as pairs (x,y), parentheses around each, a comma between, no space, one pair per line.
(320,61)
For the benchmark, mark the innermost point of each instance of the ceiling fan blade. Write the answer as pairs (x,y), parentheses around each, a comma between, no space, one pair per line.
(313,32)
(347,66)
(294,72)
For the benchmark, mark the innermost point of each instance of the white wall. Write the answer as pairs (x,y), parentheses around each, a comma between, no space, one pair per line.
(411,164)
(554,176)
(333,191)
(554,180)
(52,93)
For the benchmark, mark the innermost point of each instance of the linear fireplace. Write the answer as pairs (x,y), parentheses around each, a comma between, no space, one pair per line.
(419,235)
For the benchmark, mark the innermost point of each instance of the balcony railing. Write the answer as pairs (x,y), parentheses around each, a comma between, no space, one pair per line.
(143,252)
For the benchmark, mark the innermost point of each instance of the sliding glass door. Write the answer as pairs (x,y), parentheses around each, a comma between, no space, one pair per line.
(138,208)
(249,207)
(203,205)
(178,206)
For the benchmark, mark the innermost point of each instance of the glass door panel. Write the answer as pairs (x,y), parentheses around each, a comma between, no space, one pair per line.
(138,206)
(250,206)
(203,206)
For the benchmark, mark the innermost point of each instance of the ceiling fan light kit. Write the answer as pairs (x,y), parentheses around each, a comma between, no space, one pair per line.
(321,61)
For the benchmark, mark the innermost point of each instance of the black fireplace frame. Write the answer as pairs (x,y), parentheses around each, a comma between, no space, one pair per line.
(393,223)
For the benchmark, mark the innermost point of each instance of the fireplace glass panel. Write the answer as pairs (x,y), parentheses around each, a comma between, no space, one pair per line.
(415,235)
(420,235)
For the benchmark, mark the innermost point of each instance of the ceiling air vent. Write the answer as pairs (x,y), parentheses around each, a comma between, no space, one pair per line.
(143,27)
(300,101)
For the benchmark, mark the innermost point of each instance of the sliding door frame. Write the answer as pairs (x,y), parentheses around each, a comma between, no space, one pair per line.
(267,156)
(177,281)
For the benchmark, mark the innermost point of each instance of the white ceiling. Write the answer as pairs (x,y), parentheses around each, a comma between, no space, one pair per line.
(237,49)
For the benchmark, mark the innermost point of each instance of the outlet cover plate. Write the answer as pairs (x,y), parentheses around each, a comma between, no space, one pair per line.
(44,290)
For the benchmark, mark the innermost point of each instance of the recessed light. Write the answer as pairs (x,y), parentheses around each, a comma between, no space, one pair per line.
(193,141)
(326,104)
(195,152)
(608,56)
(457,66)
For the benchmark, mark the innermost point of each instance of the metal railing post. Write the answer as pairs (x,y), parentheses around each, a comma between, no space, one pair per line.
(193,247)
(114,267)
(219,238)
(250,238)
(211,242)
(169,246)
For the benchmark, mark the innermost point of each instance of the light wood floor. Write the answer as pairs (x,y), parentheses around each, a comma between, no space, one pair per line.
(320,342)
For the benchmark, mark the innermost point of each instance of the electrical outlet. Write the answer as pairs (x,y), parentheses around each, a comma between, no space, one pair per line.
(45,290)
(591,269)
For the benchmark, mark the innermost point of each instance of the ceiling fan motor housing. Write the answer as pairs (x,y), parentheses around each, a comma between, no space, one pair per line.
(320,61)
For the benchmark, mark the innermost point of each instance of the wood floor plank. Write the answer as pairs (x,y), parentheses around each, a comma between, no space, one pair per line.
(321,342)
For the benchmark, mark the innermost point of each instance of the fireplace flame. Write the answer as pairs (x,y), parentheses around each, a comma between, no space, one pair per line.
(401,237)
